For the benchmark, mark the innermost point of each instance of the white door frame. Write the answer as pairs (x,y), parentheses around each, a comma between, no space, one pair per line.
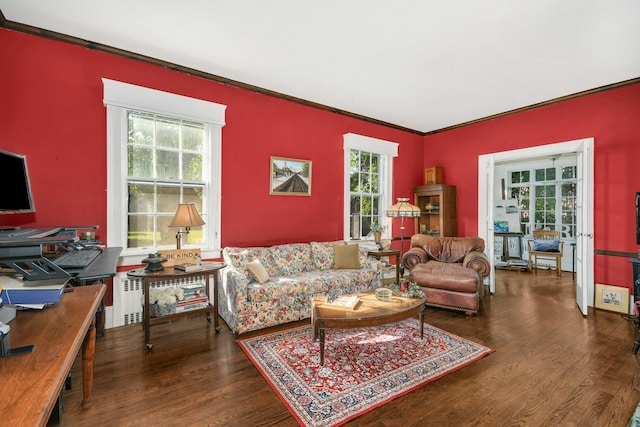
(584,244)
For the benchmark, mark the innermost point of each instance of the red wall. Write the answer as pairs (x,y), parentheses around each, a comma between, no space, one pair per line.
(612,118)
(52,111)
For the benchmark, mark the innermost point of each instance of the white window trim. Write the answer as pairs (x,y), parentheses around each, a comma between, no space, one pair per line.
(118,97)
(387,150)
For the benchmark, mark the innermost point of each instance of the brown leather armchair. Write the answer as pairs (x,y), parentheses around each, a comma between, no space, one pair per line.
(449,270)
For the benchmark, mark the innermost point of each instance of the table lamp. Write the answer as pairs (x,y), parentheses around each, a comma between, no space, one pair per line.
(186,216)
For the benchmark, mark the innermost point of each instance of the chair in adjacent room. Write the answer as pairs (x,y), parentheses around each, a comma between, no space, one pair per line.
(546,244)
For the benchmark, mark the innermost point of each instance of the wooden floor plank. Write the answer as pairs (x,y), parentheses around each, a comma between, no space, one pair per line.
(551,367)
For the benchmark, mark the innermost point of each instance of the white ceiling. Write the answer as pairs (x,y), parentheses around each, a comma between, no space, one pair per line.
(420,64)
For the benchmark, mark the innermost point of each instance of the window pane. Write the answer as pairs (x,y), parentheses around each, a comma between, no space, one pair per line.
(168,199)
(539,174)
(568,172)
(140,128)
(355,181)
(365,183)
(192,167)
(141,198)
(355,204)
(193,195)
(141,231)
(192,136)
(366,206)
(140,162)
(365,159)
(551,174)
(515,177)
(167,132)
(168,164)
(366,225)
(525,176)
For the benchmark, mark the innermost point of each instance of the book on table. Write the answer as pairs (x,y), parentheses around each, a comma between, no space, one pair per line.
(344,301)
(205,265)
(16,291)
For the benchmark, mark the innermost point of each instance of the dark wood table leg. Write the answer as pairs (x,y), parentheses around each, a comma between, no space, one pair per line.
(216,320)
(321,331)
(88,355)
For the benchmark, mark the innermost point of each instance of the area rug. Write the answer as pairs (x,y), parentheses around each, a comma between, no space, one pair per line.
(363,368)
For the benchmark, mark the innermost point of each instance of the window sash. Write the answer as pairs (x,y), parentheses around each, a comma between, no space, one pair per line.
(120,97)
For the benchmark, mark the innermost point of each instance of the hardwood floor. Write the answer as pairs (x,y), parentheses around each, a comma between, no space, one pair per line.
(551,367)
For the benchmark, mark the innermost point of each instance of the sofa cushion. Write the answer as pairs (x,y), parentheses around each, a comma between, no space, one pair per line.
(290,259)
(237,258)
(258,271)
(546,245)
(346,256)
(442,275)
(447,249)
(322,254)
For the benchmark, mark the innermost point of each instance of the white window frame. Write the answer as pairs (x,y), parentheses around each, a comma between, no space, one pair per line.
(120,97)
(387,150)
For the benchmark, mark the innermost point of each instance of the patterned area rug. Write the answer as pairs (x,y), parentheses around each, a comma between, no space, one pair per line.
(363,368)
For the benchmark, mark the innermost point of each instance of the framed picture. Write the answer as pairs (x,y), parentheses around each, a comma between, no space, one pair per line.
(514,247)
(614,298)
(290,177)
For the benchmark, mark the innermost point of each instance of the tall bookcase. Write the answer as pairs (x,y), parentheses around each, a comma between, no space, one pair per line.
(437,203)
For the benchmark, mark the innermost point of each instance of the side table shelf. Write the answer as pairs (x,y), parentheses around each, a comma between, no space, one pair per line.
(388,253)
(169,273)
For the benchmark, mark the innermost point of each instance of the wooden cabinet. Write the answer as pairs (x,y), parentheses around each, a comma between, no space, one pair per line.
(437,205)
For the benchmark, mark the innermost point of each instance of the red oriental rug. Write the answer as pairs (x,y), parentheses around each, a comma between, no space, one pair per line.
(363,368)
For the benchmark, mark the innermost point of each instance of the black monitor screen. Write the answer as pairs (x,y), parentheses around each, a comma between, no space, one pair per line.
(637,218)
(15,195)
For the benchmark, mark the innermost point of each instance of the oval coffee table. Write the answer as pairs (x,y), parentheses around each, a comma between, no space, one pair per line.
(368,312)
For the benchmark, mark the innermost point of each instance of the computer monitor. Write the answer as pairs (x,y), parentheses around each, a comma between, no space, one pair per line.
(15,195)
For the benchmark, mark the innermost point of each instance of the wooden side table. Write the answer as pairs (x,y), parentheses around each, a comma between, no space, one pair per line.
(170,273)
(387,253)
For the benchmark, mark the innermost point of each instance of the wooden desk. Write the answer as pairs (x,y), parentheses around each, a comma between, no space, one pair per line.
(169,273)
(31,383)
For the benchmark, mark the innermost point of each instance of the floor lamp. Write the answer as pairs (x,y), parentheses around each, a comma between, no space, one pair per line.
(403,209)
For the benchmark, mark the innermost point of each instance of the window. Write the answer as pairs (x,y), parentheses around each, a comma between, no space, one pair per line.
(547,202)
(368,185)
(163,149)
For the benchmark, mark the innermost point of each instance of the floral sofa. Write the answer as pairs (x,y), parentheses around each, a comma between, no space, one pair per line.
(296,272)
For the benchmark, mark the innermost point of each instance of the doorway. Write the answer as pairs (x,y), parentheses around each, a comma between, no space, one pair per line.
(583,149)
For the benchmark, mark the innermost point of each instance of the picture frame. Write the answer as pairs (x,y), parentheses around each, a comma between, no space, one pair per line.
(514,247)
(612,298)
(290,177)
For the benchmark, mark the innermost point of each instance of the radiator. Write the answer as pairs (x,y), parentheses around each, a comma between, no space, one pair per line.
(127,296)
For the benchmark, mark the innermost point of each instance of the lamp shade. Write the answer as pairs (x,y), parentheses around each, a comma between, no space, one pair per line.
(403,209)
(187,215)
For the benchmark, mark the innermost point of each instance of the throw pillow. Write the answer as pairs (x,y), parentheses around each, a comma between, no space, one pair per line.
(322,255)
(546,245)
(258,271)
(346,256)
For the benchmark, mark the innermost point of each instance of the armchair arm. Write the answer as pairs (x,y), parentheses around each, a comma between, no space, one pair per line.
(413,257)
(477,261)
